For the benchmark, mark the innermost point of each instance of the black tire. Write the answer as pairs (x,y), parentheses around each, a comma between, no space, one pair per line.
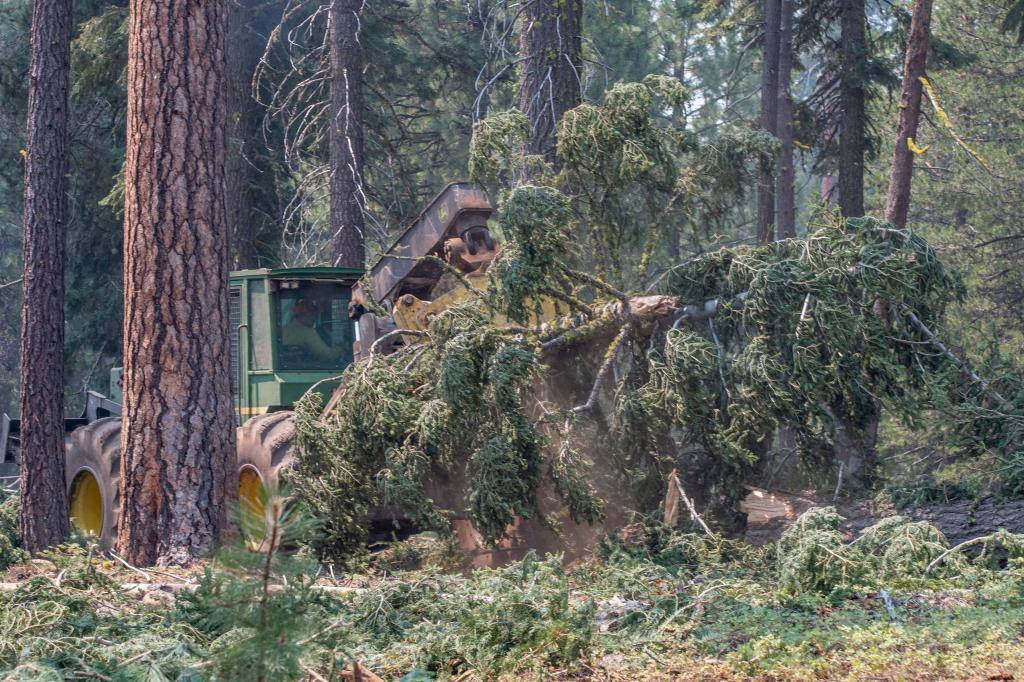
(265,445)
(95,450)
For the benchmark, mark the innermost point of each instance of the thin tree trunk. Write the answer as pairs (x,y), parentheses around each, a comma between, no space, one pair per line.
(346,135)
(243,52)
(910,109)
(852,115)
(177,442)
(673,237)
(855,439)
(550,45)
(785,206)
(44,503)
(769,117)
(785,209)
(828,191)
(856,447)
(855,435)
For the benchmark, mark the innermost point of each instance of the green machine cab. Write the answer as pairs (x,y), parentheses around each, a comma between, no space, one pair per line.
(291,331)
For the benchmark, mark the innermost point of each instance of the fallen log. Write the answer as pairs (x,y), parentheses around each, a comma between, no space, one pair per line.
(770,512)
(638,310)
(959,521)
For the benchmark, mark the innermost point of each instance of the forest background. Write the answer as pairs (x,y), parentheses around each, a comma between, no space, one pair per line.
(436,79)
(435,68)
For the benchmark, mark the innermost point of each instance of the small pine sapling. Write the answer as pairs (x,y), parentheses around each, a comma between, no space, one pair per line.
(258,600)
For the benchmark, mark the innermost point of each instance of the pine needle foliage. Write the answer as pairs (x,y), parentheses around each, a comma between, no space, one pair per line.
(984,427)
(898,546)
(495,149)
(812,556)
(802,330)
(455,407)
(537,223)
(10,531)
(342,452)
(636,177)
(516,619)
(1014,20)
(259,606)
(803,326)
(813,333)
(85,626)
(683,597)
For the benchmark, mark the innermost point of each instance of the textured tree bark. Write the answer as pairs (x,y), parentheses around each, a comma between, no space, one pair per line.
(855,438)
(550,46)
(852,115)
(177,442)
(44,503)
(785,209)
(769,117)
(910,109)
(346,135)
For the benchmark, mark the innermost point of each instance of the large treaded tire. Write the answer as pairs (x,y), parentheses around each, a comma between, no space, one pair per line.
(265,445)
(96,449)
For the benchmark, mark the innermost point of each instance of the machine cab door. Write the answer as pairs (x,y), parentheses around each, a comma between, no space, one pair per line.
(313,331)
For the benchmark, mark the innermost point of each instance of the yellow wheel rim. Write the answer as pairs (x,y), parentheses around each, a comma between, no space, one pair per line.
(251,496)
(87,504)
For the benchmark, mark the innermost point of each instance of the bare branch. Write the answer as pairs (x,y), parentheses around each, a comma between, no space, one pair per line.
(375,348)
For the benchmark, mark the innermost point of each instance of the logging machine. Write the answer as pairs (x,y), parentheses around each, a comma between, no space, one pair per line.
(293,330)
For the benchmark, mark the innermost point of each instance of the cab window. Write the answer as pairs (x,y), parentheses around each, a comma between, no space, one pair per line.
(312,325)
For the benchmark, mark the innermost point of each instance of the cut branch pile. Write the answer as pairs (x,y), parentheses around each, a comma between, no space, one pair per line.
(696,374)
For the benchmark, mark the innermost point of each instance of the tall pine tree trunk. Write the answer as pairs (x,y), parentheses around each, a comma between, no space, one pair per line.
(244,49)
(910,109)
(550,44)
(855,442)
(44,503)
(769,117)
(177,442)
(852,114)
(346,135)
(785,202)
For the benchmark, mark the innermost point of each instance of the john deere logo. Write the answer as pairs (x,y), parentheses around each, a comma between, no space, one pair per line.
(443,212)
